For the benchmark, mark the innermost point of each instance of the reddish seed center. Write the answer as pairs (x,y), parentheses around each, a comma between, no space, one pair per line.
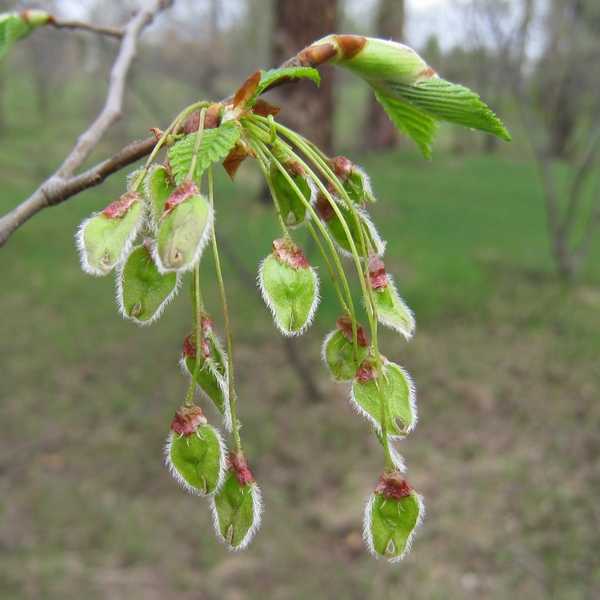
(393,487)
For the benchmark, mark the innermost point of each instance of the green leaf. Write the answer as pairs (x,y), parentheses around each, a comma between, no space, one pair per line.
(142,291)
(420,127)
(451,102)
(268,78)
(215,144)
(14,26)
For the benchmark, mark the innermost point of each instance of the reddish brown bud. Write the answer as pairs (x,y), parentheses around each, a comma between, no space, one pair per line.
(393,486)
(344,324)
(290,253)
(238,463)
(120,207)
(377,274)
(188,419)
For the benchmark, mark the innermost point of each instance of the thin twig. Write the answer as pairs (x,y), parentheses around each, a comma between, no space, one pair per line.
(64,183)
(117,32)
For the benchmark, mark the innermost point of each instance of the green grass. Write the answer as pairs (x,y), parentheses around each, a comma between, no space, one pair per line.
(505,360)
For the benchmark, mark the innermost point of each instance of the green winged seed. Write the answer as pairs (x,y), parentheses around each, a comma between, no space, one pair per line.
(293,208)
(397,388)
(105,239)
(391,520)
(143,292)
(289,287)
(213,382)
(236,510)
(158,186)
(197,460)
(392,311)
(353,220)
(338,354)
(183,232)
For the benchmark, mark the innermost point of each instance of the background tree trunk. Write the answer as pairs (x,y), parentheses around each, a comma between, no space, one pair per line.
(306,109)
(380,132)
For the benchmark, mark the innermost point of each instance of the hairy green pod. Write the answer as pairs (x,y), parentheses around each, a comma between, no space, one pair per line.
(392,516)
(237,506)
(293,207)
(289,287)
(355,220)
(195,452)
(143,292)
(338,350)
(212,375)
(397,390)
(184,229)
(158,186)
(354,180)
(105,239)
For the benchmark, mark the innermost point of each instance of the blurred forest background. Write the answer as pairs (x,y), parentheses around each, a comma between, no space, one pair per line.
(494,246)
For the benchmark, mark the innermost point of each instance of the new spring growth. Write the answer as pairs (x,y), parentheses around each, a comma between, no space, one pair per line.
(392,516)
(174,221)
(237,506)
(195,452)
(379,62)
(105,239)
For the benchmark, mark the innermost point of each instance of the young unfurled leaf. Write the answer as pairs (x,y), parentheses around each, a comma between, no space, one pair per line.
(292,206)
(143,292)
(392,516)
(195,452)
(289,287)
(184,229)
(412,122)
(212,376)
(397,390)
(105,239)
(451,102)
(339,352)
(14,26)
(354,220)
(410,91)
(391,310)
(237,506)
(158,186)
(270,78)
(215,144)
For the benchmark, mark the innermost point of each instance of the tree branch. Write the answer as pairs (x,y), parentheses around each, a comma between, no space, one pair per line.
(64,183)
(117,32)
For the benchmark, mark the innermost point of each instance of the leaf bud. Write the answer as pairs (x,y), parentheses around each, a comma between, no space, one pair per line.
(382,63)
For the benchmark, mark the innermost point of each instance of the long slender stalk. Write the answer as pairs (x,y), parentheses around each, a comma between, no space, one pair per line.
(231,397)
